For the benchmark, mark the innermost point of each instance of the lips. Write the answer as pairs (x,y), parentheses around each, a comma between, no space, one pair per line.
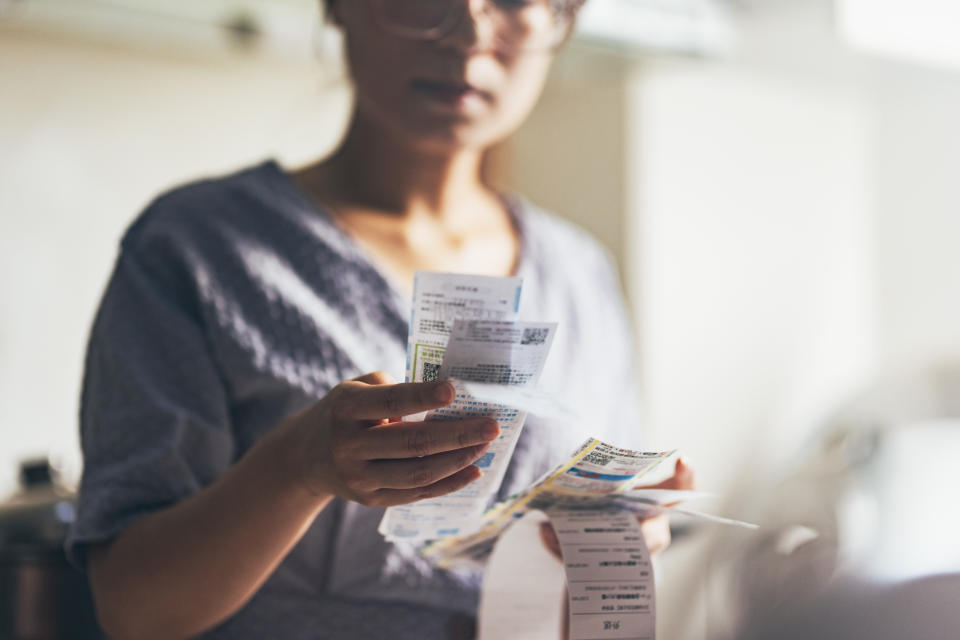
(449,91)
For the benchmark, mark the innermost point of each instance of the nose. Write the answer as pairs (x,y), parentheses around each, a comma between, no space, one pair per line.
(475,28)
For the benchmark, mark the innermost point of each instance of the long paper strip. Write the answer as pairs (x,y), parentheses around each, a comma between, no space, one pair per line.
(609,575)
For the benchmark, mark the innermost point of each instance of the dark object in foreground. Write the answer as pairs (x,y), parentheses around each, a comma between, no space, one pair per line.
(42,596)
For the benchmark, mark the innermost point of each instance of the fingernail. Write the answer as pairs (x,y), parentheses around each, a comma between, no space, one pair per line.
(443,392)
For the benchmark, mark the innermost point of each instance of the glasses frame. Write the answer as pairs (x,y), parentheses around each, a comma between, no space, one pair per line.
(458,11)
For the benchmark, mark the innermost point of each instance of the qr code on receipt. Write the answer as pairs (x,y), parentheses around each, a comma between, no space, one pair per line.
(431,371)
(534,336)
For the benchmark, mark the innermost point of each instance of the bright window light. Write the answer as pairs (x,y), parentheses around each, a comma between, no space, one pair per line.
(925,31)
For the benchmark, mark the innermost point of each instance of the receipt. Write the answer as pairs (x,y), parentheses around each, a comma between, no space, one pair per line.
(609,575)
(439,299)
(527,399)
(605,578)
(469,351)
(596,472)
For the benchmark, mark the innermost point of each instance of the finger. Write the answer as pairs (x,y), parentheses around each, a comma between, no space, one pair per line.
(656,533)
(376,377)
(682,479)
(549,537)
(374,402)
(379,377)
(392,497)
(419,439)
(421,472)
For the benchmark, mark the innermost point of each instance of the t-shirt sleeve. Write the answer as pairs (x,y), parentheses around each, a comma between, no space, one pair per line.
(154,417)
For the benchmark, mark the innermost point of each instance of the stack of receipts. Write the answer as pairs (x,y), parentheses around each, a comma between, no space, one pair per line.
(464,328)
(597,477)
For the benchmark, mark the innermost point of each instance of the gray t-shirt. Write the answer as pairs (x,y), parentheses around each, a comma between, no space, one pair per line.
(236,302)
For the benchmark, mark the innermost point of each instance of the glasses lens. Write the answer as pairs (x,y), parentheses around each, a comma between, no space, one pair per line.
(529,24)
(517,24)
(416,15)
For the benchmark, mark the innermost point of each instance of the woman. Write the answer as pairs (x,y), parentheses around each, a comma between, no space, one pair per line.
(237,457)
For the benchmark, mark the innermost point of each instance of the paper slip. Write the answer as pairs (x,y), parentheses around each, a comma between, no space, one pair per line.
(488,352)
(526,399)
(609,575)
(597,476)
(649,502)
(511,354)
(595,470)
(441,298)
(605,568)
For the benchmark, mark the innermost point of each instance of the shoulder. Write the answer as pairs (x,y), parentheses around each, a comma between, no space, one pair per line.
(203,211)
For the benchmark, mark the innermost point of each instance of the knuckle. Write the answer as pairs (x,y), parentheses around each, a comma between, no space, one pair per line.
(351,484)
(339,400)
(418,442)
(377,499)
(339,455)
(337,392)
(428,492)
(392,401)
(340,450)
(364,500)
(425,394)
(466,458)
(357,483)
(421,477)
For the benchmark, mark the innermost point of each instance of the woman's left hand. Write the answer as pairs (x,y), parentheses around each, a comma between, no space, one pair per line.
(656,529)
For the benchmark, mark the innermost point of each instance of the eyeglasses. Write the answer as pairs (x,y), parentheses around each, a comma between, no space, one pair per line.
(527,25)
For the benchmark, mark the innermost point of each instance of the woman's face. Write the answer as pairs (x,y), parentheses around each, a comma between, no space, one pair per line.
(464,89)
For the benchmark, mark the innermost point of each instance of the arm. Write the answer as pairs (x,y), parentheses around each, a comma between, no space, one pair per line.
(182,570)
(178,571)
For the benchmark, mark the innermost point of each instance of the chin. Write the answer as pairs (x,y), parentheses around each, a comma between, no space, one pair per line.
(451,140)
(439,130)
(449,135)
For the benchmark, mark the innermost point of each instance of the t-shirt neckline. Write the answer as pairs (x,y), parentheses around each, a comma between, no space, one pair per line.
(515,206)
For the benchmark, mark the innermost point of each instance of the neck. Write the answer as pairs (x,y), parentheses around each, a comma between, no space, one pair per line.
(375,169)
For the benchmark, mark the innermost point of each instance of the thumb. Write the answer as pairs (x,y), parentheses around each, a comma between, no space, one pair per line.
(682,479)
(376,377)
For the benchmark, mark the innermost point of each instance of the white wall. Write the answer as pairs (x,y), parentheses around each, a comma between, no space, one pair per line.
(917,177)
(89,133)
(756,239)
(756,297)
(798,215)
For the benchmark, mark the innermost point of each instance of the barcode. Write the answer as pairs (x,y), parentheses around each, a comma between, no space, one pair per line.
(534,336)
(431,371)
(597,458)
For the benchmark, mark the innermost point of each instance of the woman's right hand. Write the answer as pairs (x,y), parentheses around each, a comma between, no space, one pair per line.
(353,444)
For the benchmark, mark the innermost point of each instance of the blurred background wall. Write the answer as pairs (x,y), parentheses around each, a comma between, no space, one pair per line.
(777,187)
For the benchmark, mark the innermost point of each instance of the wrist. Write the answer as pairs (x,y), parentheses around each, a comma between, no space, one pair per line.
(283,452)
